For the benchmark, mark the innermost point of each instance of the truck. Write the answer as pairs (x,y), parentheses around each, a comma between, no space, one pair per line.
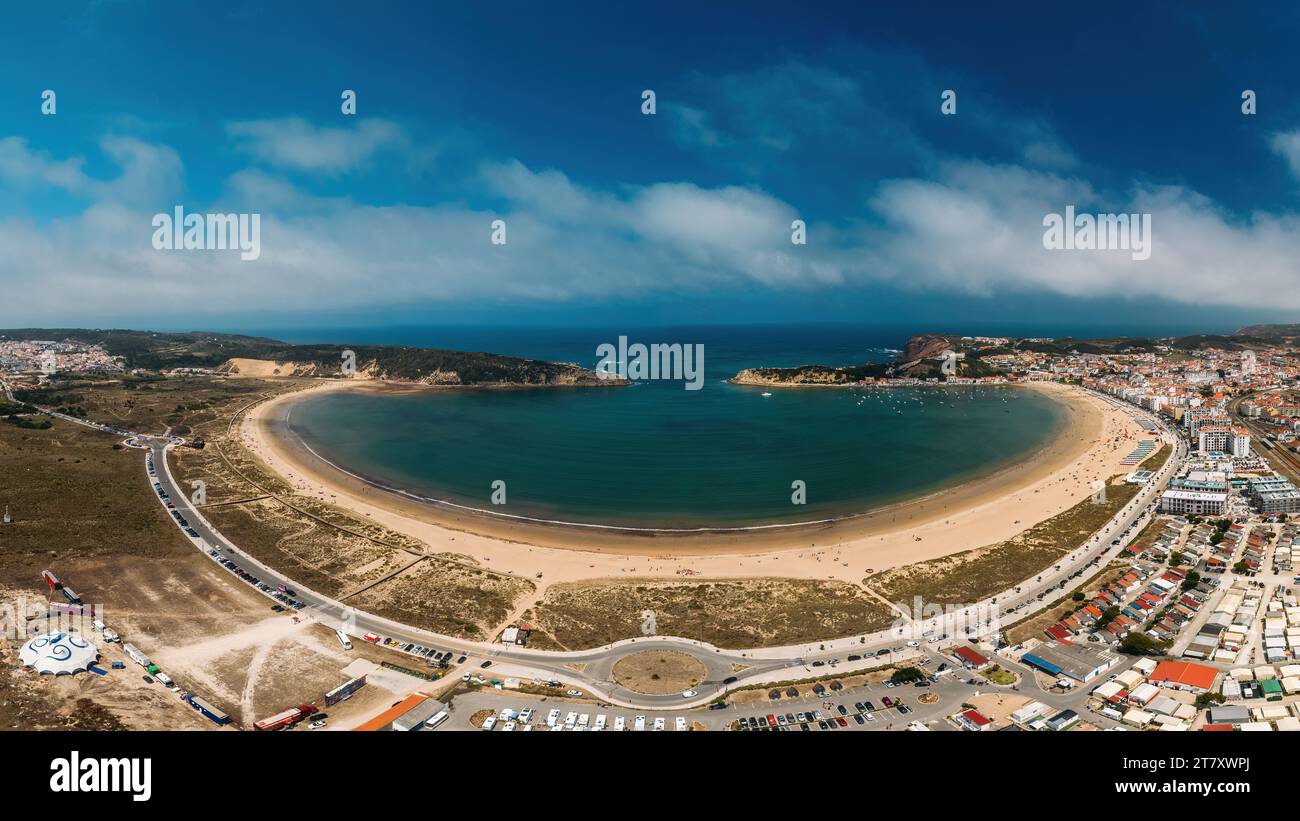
(211,713)
(133,653)
(344,691)
(71,596)
(288,718)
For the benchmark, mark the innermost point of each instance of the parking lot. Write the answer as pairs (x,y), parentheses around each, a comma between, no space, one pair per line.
(826,706)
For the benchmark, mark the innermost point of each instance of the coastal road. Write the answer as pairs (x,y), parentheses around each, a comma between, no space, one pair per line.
(594,667)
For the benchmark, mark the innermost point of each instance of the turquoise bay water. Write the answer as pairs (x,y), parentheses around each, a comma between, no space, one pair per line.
(655,455)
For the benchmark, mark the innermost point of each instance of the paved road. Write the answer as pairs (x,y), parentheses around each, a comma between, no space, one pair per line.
(952,688)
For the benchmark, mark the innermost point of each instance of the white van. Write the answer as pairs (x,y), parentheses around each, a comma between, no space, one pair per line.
(552,717)
(490,723)
(639,723)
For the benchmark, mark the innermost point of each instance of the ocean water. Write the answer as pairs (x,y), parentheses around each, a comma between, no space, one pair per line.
(656,455)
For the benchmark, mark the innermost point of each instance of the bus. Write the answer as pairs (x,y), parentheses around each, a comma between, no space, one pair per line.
(437,719)
(343,639)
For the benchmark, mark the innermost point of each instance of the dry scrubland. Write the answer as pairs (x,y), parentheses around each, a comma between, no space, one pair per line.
(974,575)
(338,554)
(732,613)
(150,404)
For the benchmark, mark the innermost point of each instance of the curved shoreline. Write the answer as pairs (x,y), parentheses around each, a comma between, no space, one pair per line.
(266,433)
(295,441)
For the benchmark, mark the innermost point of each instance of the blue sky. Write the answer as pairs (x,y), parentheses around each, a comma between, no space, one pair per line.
(531,113)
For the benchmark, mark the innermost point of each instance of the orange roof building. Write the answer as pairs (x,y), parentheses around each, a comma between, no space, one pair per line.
(1183,675)
(393,713)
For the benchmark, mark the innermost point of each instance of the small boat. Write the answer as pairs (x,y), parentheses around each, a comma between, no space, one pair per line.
(767,393)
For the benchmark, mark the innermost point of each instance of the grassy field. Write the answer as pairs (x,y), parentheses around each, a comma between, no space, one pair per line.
(1156,459)
(739,613)
(973,575)
(75,494)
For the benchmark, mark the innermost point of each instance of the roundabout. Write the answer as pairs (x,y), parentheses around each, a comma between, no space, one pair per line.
(658,672)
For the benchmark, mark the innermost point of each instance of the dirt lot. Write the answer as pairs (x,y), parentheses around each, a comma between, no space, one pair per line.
(998,707)
(733,613)
(658,672)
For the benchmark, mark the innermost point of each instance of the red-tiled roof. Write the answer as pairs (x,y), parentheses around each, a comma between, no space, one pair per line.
(975,718)
(970,656)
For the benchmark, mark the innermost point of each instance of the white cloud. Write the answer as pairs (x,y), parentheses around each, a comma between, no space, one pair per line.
(1287,145)
(966,228)
(296,144)
(148,172)
(978,229)
(24,167)
(566,241)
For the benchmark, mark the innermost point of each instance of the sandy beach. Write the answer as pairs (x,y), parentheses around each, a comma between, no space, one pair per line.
(1094,438)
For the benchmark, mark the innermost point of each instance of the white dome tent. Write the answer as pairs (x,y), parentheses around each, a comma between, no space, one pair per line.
(58,654)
